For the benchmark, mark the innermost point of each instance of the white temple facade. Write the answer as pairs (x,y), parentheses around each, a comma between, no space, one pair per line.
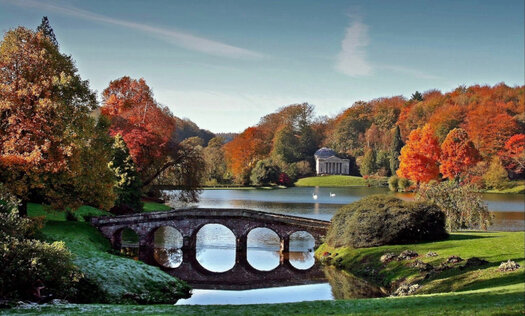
(327,162)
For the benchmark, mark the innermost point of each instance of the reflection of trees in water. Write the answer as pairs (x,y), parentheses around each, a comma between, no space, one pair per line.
(300,256)
(347,286)
(168,257)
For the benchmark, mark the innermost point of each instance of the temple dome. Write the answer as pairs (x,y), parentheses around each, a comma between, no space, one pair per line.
(324,153)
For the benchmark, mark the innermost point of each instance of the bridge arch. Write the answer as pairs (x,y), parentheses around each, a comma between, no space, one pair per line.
(167,243)
(302,244)
(216,243)
(263,248)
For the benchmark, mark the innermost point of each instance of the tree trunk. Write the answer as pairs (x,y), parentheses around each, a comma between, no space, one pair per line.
(22,209)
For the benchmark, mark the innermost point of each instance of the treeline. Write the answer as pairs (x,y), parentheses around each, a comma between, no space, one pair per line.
(472,134)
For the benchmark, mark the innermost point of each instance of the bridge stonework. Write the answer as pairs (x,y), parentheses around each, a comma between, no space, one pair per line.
(240,221)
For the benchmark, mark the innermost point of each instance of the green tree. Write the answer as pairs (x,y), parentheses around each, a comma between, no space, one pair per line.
(286,146)
(417,96)
(496,176)
(395,150)
(368,163)
(216,170)
(127,180)
(47,30)
(265,173)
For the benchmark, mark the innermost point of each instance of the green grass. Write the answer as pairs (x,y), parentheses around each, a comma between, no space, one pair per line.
(506,300)
(35,210)
(517,189)
(154,207)
(119,279)
(494,247)
(331,181)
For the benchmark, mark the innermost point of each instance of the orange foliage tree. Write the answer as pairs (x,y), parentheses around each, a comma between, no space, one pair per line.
(419,159)
(458,154)
(244,151)
(489,126)
(513,155)
(46,132)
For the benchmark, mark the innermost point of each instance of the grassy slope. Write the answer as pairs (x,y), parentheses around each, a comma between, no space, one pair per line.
(34,210)
(493,247)
(519,188)
(331,181)
(118,277)
(507,300)
(154,207)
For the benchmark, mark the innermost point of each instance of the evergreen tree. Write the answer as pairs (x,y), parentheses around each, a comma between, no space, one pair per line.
(417,96)
(368,164)
(395,150)
(47,30)
(127,180)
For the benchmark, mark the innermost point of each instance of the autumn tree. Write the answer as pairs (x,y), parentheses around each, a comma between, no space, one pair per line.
(513,155)
(148,129)
(45,127)
(458,154)
(243,152)
(419,160)
(127,180)
(489,127)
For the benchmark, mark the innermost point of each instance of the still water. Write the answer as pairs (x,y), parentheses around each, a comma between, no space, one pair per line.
(216,243)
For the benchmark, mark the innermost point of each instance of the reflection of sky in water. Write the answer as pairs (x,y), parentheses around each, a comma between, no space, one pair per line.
(297,293)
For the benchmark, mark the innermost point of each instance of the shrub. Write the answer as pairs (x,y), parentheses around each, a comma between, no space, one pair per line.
(393,183)
(496,176)
(26,263)
(265,173)
(385,220)
(403,184)
(463,207)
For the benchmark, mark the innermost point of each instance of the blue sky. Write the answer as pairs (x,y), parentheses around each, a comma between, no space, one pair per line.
(224,64)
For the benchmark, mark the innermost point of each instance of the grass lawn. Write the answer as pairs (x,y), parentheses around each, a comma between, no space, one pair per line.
(116,278)
(505,300)
(494,247)
(331,181)
(35,210)
(519,188)
(155,207)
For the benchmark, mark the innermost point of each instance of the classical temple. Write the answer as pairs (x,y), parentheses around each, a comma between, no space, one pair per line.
(327,162)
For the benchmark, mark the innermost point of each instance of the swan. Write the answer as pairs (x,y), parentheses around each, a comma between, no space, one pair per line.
(314,196)
(332,194)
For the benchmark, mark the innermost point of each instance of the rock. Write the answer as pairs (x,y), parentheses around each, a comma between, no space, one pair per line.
(407,255)
(454,259)
(508,266)
(442,267)
(421,266)
(431,254)
(474,262)
(406,289)
(57,301)
(387,257)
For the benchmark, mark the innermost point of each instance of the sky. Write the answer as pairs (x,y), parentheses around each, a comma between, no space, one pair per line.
(225,64)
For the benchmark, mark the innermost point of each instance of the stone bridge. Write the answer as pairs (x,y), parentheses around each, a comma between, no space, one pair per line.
(240,221)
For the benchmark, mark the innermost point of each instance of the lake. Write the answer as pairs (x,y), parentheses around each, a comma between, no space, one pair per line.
(215,244)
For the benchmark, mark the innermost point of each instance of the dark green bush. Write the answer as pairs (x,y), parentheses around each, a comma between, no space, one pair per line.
(385,220)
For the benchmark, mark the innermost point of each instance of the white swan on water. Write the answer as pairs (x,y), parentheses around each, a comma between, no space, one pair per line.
(332,194)
(314,196)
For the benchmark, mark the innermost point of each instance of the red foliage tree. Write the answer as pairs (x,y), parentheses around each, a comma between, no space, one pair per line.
(513,155)
(145,125)
(419,160)
(458,154)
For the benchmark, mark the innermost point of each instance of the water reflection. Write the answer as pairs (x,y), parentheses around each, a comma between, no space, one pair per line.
(263,249)
(168,243)
(216,248)
(346,286)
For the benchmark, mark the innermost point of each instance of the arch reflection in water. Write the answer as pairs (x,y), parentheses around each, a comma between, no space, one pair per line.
(167,247)
(301,254)
(263,249)
(215,248)
(128,240)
